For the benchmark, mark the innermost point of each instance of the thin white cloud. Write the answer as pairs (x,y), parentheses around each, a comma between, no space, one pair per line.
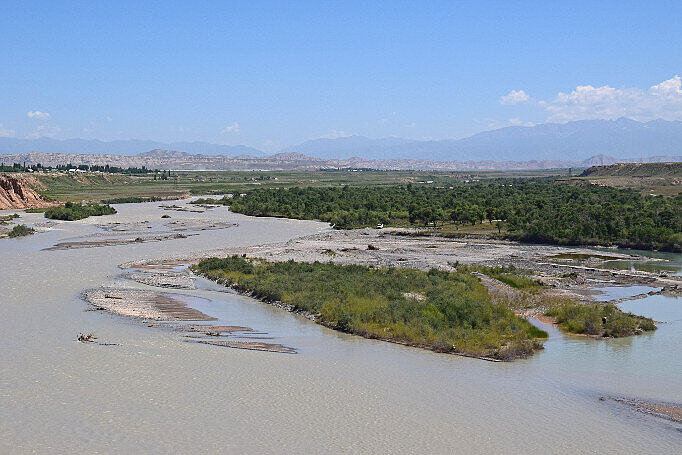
(38,115)
(45,131)
(6,132)
(586,102)
(231,129)
(518,122)
(335,134)
(514,97)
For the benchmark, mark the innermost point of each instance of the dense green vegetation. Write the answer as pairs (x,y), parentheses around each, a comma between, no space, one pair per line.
(532,210)
(599,320)
(71,211)
(19,167)
(20,230)
(106,168)
(442,311)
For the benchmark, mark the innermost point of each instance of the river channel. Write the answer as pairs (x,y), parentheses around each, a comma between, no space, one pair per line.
(151,391)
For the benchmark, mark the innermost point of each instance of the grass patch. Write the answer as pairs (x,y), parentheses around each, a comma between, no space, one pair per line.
(37,210)
(599,320)
(20,230)
(72,211)
(510,275)
(456,314)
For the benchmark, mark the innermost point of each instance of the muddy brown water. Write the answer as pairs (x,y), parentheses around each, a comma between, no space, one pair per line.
(156,393)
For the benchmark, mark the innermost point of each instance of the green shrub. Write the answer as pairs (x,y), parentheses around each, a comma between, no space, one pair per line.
(6,218)
(71,211)
(20,230)
(599,320)
(212,201)
(453,314)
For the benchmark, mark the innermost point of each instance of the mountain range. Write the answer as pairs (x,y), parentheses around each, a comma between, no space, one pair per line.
(549,144)
(572,141)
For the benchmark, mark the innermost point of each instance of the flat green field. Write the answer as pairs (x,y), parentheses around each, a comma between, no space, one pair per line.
(91,186)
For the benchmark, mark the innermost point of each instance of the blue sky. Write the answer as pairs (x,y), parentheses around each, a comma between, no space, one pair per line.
(273,74)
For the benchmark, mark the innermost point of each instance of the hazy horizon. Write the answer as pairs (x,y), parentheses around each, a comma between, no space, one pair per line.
(571,142)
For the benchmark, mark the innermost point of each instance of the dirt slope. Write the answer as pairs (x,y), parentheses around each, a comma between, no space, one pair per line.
(635,170)
(15,193)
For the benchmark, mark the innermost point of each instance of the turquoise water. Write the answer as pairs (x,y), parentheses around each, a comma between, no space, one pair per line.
(619,292)
(662,263)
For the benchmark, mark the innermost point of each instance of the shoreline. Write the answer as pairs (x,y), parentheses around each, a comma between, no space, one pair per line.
(312,317)
(382,248)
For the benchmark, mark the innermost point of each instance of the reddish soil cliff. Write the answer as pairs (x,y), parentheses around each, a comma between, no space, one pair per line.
(15,193)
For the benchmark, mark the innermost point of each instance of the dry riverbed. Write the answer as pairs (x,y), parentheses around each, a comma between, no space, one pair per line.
(572,273)
(172,311)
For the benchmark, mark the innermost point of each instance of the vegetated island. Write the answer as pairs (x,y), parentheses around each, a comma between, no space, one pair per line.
(132,200)
(211,201)
(595,320)
(387,290)
(20,230)
(7,218)
(599,320)
(528,210)
(73,211)
(448,312)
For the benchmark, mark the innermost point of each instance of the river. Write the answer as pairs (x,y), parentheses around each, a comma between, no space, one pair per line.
(153,392)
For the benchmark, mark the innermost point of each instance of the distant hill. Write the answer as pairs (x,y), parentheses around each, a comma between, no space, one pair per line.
(587,142)
(176,160)
(572,141)
(351,146)
(10,145)
(635,170)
